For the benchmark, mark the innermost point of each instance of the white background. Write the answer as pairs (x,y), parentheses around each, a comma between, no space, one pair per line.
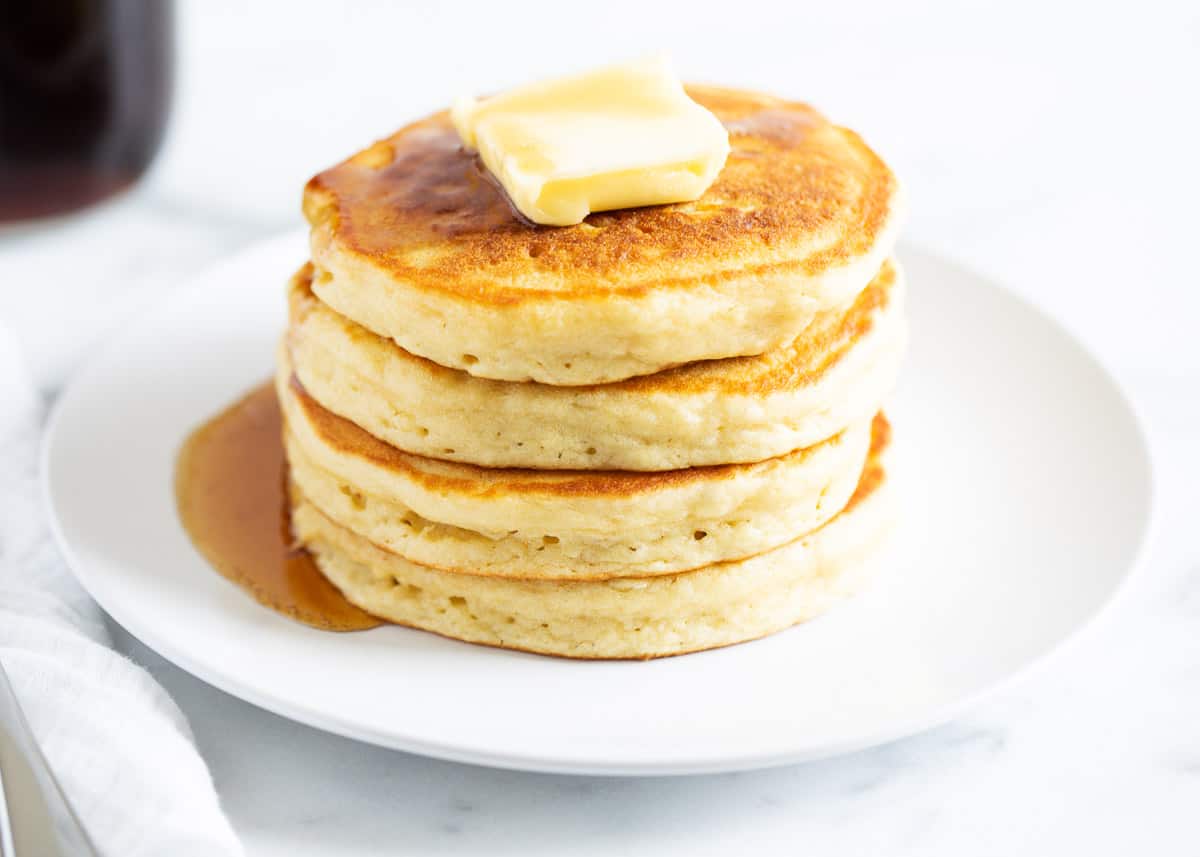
(1053,146)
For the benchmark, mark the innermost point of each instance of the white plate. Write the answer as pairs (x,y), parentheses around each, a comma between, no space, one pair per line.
(1027,488)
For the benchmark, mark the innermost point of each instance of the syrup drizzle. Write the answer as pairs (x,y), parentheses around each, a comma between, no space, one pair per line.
(231,492)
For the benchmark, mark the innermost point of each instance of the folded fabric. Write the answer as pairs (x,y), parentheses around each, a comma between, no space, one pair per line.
(119,746)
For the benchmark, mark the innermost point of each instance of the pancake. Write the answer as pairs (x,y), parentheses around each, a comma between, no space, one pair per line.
(560,524)
(628,617)
(411,239)
(835,374)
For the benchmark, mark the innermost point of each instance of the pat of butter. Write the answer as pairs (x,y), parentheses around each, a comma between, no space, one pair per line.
(617,137)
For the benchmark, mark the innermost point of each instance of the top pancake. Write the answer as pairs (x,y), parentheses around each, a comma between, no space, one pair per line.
(412,240)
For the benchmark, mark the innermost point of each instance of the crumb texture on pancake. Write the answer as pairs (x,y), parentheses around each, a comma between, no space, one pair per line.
(413,241)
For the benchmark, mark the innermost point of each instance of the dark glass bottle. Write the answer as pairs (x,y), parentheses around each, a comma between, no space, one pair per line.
(85,88)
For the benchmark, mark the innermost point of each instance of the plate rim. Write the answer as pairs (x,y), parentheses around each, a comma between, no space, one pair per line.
(717,762)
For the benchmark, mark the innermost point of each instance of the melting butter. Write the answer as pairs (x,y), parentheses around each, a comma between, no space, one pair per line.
(617,137)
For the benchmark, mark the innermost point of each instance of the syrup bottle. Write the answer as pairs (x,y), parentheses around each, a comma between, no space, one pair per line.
(85,88)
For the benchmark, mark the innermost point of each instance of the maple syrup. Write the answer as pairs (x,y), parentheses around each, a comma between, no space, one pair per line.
(231,490)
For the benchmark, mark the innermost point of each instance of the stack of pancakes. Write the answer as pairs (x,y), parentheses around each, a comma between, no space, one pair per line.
(652,433)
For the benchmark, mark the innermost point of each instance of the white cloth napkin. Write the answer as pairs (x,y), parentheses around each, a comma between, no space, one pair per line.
(119,746)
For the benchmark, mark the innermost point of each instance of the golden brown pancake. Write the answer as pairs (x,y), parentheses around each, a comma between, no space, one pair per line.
(628,617)
(412,240)
(719,411)
(560,524)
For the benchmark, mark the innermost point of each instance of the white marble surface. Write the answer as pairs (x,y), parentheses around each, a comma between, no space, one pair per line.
(1050,145)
